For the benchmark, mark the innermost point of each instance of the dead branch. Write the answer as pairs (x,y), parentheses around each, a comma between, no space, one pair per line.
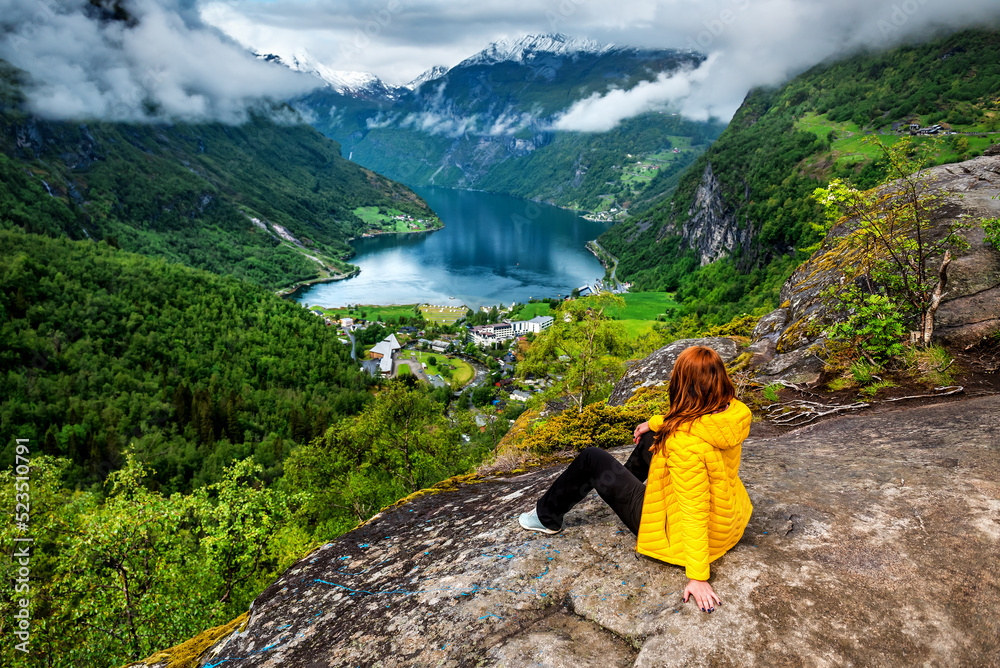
(952,389)
(936,297)
(799,412)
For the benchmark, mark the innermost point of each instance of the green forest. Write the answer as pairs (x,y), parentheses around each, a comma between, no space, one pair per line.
(190,436)
(106,350)
(769,161)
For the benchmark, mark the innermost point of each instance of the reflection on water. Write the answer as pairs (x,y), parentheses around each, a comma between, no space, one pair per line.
(494,249)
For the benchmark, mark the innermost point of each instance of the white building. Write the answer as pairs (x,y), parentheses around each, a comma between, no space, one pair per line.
(484,335)
(384,351)
(539,323)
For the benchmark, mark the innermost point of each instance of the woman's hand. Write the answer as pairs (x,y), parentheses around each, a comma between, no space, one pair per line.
(703,595)
(639,431)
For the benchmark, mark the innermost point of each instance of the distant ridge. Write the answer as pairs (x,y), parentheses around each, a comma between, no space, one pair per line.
(523,49)
(346,82)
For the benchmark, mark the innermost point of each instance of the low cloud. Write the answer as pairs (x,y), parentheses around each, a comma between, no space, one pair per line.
(162,65)
(601,112)
(510,123)
(754,42)
(440,124)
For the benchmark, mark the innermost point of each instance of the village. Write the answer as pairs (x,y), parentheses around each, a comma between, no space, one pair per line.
(441,349)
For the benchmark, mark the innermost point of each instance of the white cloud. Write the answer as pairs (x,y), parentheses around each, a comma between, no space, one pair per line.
(177,63)
(600,113)
(164,66)
(755,42)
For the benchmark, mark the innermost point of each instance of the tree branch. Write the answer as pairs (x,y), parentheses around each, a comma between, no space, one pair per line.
(936,298)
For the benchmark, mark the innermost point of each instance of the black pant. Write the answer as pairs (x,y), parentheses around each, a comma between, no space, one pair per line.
(620,486)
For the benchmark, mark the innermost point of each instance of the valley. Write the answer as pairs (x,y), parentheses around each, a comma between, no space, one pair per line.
(495,122)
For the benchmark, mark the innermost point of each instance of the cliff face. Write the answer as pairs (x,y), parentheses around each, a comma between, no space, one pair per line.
(871,555)
(787,338)
(712,228)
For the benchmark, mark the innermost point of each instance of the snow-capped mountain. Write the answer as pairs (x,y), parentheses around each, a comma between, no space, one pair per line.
(524,49)
(490,121)
(345,82)
(433,73)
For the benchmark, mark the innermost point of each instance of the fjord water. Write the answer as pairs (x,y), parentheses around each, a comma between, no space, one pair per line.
(493,249)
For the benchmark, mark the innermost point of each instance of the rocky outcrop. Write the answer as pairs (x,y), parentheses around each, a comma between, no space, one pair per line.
(712,228)
(655,369)
(873,542)
(790,338)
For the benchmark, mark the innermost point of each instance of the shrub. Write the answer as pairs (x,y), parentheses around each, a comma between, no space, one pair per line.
(771,392)
(869,391)
(933,365)
(874,325)
(865,373)
(991,226)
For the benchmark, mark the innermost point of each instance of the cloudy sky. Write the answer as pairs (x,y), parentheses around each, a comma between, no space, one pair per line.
(188,58)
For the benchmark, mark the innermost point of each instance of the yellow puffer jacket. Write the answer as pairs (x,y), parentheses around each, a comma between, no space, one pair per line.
(696,507)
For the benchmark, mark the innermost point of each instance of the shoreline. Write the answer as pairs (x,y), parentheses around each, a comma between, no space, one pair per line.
(383,233)
(290,291)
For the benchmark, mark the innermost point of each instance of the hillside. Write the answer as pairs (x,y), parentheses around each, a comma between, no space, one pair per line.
(748,196)
(270,201)
(104,350)
(491,122)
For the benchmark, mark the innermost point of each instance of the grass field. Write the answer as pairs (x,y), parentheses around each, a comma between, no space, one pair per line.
(462,374)
(849,148)
(378,220)
(529,311)
(371,312)
(445,315)
(633,174)
(641,310)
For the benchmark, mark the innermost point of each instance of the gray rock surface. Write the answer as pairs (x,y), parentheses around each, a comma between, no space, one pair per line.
(657,367)
(874,542)
(711,227)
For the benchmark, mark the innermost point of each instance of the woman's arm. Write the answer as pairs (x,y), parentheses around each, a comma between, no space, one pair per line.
(639,431)
(689,477)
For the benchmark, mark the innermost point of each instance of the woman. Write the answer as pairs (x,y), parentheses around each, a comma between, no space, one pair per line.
(694,507)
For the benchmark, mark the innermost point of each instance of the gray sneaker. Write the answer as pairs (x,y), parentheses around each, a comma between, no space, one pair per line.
(531,522)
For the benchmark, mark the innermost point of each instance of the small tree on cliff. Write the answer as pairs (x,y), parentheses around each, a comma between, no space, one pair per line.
(901,245)
(594,343)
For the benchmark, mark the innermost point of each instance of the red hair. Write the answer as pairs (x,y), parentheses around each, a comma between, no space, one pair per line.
(699,385)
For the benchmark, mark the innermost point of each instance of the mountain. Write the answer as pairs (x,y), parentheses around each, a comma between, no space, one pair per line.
(433,73)
(747,200)
(488,123)
(270,201)
(345,82)
(525,49)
